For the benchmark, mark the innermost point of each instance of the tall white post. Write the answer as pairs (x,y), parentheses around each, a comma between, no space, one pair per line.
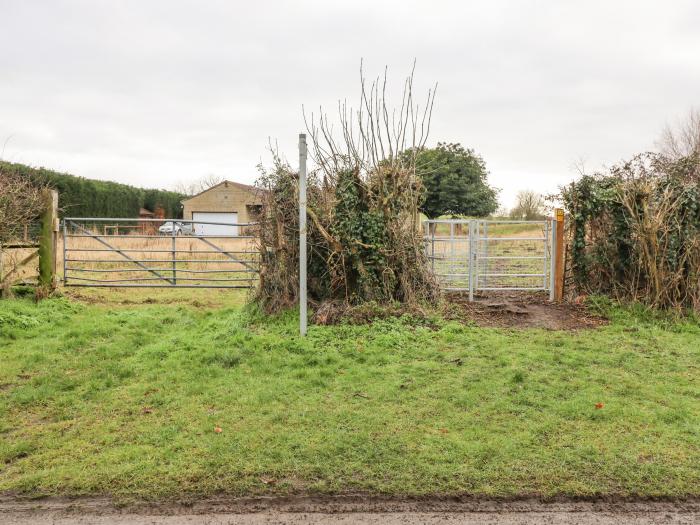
(472,259)
(302,234)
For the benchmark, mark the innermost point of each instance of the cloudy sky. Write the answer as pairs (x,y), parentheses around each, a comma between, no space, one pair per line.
(155,92)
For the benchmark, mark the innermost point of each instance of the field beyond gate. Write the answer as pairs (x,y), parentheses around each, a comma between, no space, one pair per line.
(134,253)
(473,255)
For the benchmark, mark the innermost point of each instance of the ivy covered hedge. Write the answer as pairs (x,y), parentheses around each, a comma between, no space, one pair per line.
(81,197)
(635,231)
(364,242)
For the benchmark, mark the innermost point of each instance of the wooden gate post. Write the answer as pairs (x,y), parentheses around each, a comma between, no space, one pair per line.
(48,240)
(559,255)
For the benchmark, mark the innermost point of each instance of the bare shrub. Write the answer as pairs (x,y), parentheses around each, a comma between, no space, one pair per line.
(364,238)
(21,202)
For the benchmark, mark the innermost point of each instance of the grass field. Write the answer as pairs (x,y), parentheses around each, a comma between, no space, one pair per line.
(120,393)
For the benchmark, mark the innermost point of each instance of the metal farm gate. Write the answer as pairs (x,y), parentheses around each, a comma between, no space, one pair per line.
(159,253)
(491,255)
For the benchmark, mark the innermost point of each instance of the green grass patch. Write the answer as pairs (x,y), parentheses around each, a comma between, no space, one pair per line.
(123,398)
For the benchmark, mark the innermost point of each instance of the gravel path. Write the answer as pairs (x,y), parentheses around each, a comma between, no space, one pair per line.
(347,510)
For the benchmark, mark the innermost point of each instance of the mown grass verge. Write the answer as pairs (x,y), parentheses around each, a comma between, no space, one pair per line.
(124,399)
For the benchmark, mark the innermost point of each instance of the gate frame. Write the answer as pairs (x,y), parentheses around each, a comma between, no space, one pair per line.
(173,251)
(553,251)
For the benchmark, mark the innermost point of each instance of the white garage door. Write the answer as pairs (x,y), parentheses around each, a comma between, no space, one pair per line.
(215,229)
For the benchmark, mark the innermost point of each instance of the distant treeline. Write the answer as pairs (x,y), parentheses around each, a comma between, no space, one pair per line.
(81,197)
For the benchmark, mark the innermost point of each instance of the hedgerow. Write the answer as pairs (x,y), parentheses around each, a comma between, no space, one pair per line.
(635,231)
(81,197)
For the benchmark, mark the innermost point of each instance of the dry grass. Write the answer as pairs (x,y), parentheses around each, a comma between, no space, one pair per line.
(10,259)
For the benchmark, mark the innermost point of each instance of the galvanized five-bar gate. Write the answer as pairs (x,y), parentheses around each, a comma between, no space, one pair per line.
(491,255)
(159,253)
(466,255)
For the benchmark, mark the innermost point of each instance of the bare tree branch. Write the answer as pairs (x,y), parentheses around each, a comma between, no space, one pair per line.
(372,136)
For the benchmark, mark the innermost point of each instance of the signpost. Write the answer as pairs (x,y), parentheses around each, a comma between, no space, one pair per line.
(302,234)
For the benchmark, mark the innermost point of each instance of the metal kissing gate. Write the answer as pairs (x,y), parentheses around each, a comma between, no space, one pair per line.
(159,253)
(474,255)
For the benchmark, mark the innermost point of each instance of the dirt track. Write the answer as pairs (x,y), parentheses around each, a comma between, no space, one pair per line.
(347,510)
(523,310)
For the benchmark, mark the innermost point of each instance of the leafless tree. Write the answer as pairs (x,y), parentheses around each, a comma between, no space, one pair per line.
(372,135)
(502,211)
(197,186)
(529,206)
(682,140)
(20,203)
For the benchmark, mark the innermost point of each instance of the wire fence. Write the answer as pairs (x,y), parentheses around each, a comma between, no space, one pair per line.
(23,235)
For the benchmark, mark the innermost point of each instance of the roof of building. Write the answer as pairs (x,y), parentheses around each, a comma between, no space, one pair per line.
(246,187)
(143,212)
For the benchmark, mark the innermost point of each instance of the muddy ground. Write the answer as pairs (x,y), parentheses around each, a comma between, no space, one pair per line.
(511,310)
(347,510)
(520,310)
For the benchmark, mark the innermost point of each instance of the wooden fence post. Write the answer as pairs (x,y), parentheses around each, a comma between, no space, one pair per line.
(48,240)
(559,255)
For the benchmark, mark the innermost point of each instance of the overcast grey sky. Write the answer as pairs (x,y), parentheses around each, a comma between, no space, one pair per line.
(154,92)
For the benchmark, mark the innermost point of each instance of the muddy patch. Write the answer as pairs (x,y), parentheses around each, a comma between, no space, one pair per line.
(523,311)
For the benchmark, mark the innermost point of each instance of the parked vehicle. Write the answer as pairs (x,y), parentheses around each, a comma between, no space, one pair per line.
(179,228)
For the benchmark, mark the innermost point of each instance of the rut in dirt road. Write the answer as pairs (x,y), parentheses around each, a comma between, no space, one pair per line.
(353,510)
